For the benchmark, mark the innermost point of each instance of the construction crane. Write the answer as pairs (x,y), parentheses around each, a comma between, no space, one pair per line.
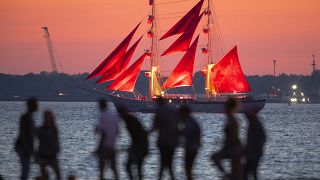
(50,49)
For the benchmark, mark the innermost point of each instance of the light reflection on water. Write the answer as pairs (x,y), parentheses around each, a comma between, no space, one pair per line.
(292,149)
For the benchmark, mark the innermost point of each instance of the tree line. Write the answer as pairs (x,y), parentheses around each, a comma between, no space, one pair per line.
(75,87)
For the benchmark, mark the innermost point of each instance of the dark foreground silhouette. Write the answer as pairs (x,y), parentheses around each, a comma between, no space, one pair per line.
(192,137)
(173,128)
(256,139)
(24,142)
(48,146)
(232,148)
(139,147)
(166,123)
(107,128)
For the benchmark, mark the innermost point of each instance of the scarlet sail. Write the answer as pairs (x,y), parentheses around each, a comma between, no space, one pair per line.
(120,65)
(183,42)
(182,74)
(185,22)
(115,55)
(127,80)
(227,75)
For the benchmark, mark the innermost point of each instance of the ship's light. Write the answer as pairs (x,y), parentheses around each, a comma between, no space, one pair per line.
(294,87)
(293,99)
(170,101)
(302,94)
(303,100)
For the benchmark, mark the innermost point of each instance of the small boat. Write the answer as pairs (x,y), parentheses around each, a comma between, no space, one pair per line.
(223,79)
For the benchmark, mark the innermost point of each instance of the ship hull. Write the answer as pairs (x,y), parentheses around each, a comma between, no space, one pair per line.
(145,106)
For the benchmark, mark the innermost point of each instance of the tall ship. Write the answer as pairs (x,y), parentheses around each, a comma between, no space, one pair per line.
(222,71)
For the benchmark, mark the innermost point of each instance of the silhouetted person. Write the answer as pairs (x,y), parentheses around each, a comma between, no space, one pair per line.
(166,122)
(232,148)
(107,127)
(256,139)
(48,146)
(192,138)
(139,142)
(24,143)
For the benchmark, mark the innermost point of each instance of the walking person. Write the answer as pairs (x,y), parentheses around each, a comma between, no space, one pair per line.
(48,146)
(166,123)
(192,139)
(107,128)
(232,148)
(24,142)
(139,143)
(256,139)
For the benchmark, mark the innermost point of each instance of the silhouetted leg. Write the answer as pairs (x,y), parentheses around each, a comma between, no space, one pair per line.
(44,172)
(246,171)
(114,164)
(189,158)
(56,168)
(162,162)
(252,168)
(102,164)
(140,170)
(128,167)
(169,162)
(25,166)
(217,157)
(255,169)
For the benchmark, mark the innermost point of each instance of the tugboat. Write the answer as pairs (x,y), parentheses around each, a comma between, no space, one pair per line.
(223,79)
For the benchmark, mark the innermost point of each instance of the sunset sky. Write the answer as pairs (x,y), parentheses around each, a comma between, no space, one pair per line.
(84,32)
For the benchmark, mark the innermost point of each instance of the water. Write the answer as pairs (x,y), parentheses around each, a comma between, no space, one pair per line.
(292,149)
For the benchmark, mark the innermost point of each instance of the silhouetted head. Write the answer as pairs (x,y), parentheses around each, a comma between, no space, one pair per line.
(49,121)
(161,101)
(231,106)
(185,111)
(32,104)
(102,104)
(122,111)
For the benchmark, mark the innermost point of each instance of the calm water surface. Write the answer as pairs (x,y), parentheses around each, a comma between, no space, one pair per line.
(292,149)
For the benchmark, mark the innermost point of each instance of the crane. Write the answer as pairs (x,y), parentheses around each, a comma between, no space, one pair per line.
(50,49)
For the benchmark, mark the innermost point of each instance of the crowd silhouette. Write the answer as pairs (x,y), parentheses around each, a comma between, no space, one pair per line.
(175,127)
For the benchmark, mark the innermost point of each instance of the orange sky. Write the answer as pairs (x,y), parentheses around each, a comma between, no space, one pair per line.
(84,32)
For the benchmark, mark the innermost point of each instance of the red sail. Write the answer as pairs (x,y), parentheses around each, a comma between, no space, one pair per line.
(119,66)
(182,74)
(185,22)
(127,80)
(227,75)
(183,42)
(115,55)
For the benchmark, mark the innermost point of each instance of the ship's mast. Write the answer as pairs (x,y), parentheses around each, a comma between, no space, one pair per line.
(50,49)
(209,24)
(313,62)
(210,64)
(155,89)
